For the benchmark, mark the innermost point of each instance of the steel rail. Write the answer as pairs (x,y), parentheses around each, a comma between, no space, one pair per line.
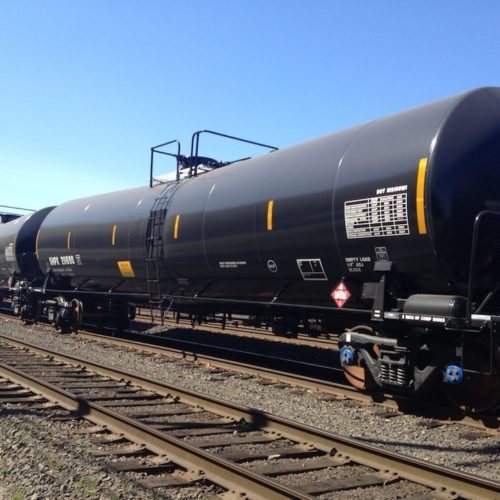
(229,364)
(246,332)
(419,471)
(186,345)
(223,472)
(397,404)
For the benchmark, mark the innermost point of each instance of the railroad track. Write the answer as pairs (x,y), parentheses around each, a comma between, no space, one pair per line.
(178,437)
(295,374)
(237,327)
(327,381)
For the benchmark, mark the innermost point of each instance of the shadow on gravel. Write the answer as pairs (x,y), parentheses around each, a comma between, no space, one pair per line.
(22,410)
(488,449)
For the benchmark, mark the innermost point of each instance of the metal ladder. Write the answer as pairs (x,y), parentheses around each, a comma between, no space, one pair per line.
(154,254)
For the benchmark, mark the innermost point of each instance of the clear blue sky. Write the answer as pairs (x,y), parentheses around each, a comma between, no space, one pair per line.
(87,87)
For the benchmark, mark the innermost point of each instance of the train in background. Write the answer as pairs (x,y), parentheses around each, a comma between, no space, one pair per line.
(388,231)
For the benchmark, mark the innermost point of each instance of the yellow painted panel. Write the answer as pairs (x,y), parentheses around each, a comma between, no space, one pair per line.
(113,235)
(36,241)
(422,170)
(176,226)
(125,267)
(270,206)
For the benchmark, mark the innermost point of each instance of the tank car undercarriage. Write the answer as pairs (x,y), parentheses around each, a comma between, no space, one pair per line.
(66,309)
(409,351)
(467,362)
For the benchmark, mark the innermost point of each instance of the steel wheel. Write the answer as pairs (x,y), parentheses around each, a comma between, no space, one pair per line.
(358,375)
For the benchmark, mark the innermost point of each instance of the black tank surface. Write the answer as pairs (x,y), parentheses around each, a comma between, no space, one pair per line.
(257,227)
(410,186)
(290,225)
(99,243)
(17,245)
(405,189)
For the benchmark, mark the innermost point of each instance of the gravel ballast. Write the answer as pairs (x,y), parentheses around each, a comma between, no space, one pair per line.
(449,445)
(43,457)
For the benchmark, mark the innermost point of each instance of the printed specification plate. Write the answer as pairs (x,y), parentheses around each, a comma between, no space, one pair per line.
(311,269)
(378,216)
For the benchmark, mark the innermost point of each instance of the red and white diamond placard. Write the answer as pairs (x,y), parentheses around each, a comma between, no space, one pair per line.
(340,294)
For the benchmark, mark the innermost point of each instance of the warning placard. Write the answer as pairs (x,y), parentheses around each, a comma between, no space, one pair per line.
(340,294)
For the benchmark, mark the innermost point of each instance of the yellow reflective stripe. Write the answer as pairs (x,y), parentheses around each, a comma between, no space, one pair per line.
(113,235)
(422,170)
(68,240)
(176,226)
(270,205)
(36,242)
(125,267)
